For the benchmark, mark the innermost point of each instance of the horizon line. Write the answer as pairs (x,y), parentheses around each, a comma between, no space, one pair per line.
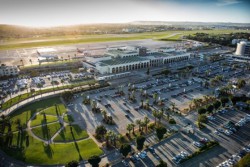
(78,24)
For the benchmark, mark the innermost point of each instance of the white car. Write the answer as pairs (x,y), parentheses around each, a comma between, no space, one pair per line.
(246,149)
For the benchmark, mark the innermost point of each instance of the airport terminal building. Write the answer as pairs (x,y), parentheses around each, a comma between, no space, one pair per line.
(123,60)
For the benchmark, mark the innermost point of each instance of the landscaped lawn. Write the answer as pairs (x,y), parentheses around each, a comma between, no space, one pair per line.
(35,152)
(58,109)
(25,113)
(47,131)
(68,118)
(39,119)
(66,135)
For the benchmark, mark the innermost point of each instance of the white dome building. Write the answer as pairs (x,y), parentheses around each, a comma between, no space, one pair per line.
(243,49)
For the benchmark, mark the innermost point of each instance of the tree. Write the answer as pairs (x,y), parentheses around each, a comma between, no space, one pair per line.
(105,116)
(139,122)
(142,103)
(244,162)
(140,142)
(67,96)
(125,149)
(129,128)
(155,96)
(224,100)
(113,138)
(148,71)
(22,62)
(100,130)
(160,131)
(162,164)
(159,116)
(94,160)
(202,118)
(72,164)
(202,111)
(241,83)
(30,61)
(133,125)
(173,107)
(217,104)
(107,137)
(93,105)
(210,108)
(146,121)
(155,113)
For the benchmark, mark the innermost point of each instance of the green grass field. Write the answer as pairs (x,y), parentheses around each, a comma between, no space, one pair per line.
(46,132)
(39,119)
(25,113)
(66,135)
(67,40)
(58,109)
(35,152)
(68,118)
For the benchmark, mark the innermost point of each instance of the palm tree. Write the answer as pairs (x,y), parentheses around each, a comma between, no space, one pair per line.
(147,103)
(199,102)
(159,116)
(206,98)
(93,105)
(129,128)
(143,124)
(155,113)
(21,61)
(142,103)
(129,86)
(155,95)
(133,95)
(104,113)
(133,127)
(146,121)
(113,137)
(30,61)
(138,122)
(173,106)
(107,137)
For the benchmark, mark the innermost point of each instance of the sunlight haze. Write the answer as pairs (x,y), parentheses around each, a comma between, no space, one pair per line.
(54,13)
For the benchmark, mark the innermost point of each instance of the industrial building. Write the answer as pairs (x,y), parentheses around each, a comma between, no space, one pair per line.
(243,49)
(123,60)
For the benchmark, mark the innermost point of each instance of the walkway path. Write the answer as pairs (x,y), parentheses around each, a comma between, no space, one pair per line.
(37,98)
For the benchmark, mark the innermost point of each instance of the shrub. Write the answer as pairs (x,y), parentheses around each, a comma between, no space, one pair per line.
(172,121)
(202,118)
(160,131)
(151,126)
(210,108)
(202,111)
(217,104)
(72,164)
(140,142)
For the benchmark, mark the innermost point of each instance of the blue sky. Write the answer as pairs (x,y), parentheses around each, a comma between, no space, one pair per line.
(69,12)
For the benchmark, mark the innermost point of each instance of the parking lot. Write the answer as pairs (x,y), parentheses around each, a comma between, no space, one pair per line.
(183,143)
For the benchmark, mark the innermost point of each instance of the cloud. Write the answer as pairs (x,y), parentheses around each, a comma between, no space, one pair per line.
(227,2)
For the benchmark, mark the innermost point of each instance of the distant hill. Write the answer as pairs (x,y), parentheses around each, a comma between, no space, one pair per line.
(188,23)
(15,31)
